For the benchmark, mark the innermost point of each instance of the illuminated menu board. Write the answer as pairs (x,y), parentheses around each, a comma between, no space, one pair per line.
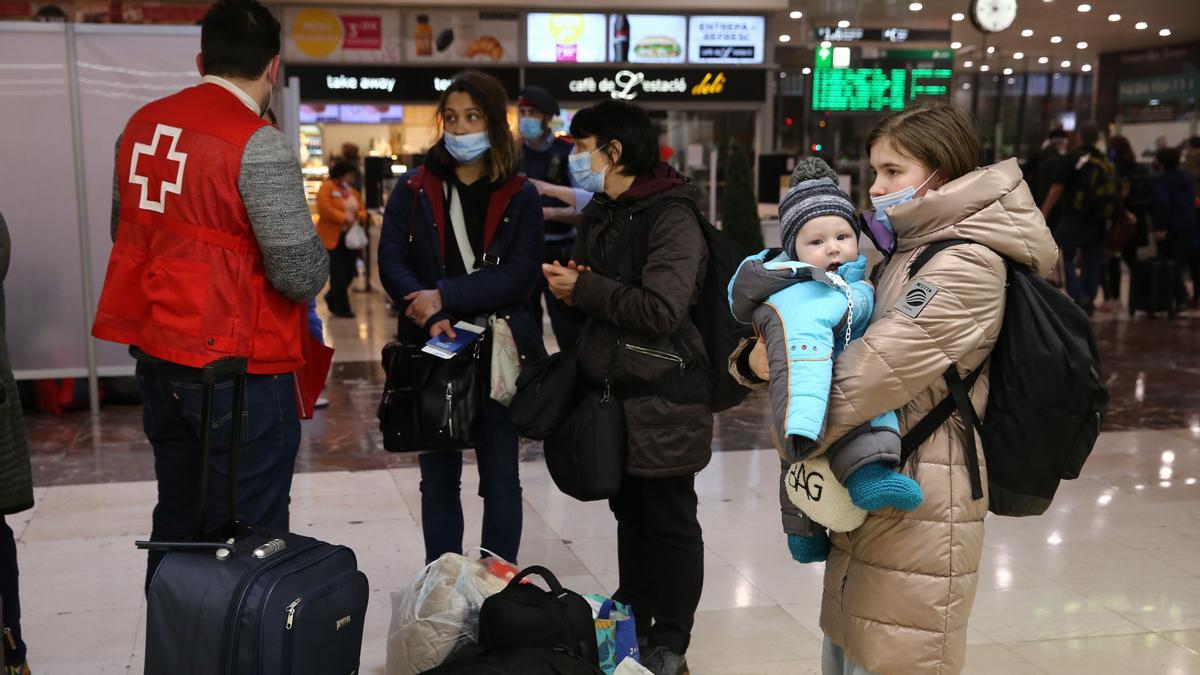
(875,89)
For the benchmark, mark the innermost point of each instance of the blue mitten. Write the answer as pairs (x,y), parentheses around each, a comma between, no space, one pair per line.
(875,486)
(809,549)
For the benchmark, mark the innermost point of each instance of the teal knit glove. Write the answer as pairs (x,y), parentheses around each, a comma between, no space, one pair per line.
(876,486)
(810,549)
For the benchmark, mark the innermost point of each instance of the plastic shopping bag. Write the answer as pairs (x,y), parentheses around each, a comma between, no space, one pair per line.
(438,612)
(616,632)
(356,238)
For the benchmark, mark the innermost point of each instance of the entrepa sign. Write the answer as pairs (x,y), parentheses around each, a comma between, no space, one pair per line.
(627,84)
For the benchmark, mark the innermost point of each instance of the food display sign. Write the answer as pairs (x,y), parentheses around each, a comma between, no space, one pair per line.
(342,35)
(726,39)
(647,38)
(461,36)
(566,38)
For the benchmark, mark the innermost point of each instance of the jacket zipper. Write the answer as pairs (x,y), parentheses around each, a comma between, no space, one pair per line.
(845,578)
(290,612)
(450,407)
(654,353)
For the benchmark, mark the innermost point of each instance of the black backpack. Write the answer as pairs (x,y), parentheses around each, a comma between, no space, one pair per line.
(711,316)
(1046,399)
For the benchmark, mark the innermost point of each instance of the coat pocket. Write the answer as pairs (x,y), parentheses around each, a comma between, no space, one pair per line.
(175,291)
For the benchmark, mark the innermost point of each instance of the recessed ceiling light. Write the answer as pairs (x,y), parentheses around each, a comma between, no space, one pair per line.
(1065,64)
(1055,39)
(966,85)
(1028,32)
(785,38)
(968,64)
(1087,68)
(957,16)
(1080,45)
(1084,8)
(991,50)
(1008,71)
(1166,32)
(1018,55)
(843,24)
(1044,59)
(1141,25)
(796,14)
(984,68)
(806,71)
(1114,17)
(955,45)
(915,7)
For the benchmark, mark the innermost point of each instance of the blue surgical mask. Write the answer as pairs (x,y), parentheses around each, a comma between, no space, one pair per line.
(581,171)
(882,204)
(467,148)
(531,128)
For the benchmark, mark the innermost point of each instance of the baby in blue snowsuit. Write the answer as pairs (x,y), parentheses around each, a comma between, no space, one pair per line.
(807,302)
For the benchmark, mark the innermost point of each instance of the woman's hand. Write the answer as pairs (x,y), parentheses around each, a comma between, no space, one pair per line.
(423,305)
(442,327)
(758,361)
(562,279)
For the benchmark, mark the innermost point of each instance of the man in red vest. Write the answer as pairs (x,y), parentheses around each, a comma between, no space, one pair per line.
(214,254)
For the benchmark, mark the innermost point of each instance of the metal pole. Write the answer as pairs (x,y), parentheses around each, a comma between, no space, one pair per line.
(85,241)
(1020,146)
(712,186)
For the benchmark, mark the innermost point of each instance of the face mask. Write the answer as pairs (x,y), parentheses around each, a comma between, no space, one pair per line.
(891,199)
(467,148)
(581,171)
(531,128)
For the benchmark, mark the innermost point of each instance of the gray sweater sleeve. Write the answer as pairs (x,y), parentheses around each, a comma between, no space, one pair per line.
(272,189)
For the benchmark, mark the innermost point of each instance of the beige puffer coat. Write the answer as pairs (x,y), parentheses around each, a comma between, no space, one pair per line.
(899,589)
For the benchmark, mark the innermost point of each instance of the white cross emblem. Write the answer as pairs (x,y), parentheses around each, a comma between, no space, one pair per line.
(152,150)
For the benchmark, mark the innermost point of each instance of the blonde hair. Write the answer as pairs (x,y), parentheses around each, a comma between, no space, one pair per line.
(939,136)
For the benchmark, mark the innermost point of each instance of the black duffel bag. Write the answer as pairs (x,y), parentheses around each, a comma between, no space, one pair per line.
(431,403)
(586,454)
(547,392)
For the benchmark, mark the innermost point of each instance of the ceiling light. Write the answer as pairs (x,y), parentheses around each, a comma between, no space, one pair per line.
(1055,39)
(966,85)
(1114,17)
(1080,45)
(1044,59)
(843,24)
(968,64)
(991,50)
(1166,32)
(984,68)
(915,7)
(957,16)
(955,45)
(1028,32)
(1141,25)
(796,14)
(806,71)
(1084,8)
(1018,55)
(1087,68)
(785,38)
(1065,64)
(1008,71)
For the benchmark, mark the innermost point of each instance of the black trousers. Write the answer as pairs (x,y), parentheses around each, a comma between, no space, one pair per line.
(660,551)
(343,267)
(1112,272)
(11,593)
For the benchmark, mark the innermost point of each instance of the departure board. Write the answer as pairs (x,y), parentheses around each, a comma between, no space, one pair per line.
(875,89)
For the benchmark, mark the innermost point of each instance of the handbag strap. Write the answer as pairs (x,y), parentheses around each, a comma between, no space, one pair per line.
(459,223)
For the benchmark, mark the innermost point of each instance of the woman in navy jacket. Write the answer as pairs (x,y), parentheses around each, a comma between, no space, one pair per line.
(425,271)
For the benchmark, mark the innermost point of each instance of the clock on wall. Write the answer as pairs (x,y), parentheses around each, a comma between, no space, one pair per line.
(993,16)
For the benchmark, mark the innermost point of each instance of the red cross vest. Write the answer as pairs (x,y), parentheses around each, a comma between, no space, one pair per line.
(185,280)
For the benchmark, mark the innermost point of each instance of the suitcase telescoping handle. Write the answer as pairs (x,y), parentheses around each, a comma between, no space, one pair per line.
(221,370)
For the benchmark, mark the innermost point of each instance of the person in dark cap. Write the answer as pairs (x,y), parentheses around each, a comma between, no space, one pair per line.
(545,163)
(813,297)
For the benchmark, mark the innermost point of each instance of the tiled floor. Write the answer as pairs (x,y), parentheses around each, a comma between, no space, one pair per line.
(1107,582)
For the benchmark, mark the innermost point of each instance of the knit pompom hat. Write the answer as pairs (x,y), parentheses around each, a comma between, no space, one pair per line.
(814,192)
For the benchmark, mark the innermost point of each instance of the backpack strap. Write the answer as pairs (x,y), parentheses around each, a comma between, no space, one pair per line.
(929,252)
(639,242)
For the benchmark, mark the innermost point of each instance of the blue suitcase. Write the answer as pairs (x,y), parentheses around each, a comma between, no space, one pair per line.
(248,601)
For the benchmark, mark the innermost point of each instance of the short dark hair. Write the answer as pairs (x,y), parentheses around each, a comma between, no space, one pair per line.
(341,168)
(238,38)
(1089,134)
(1168,158)
(503,158)
(625,122)
(1194,142)
(1057,133)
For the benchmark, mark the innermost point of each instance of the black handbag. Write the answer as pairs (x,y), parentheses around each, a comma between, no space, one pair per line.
(547,392)
(431,403)
(586,454)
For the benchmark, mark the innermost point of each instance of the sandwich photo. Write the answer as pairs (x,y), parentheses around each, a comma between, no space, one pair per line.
(657,47)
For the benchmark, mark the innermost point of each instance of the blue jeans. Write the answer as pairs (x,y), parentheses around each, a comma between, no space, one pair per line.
(172,396)
(499,485)
(1076,234)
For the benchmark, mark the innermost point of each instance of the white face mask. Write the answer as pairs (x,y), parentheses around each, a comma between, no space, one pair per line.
(881,204)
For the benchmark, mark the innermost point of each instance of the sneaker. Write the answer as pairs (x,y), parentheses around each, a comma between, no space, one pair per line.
(322,402)
(663,661)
